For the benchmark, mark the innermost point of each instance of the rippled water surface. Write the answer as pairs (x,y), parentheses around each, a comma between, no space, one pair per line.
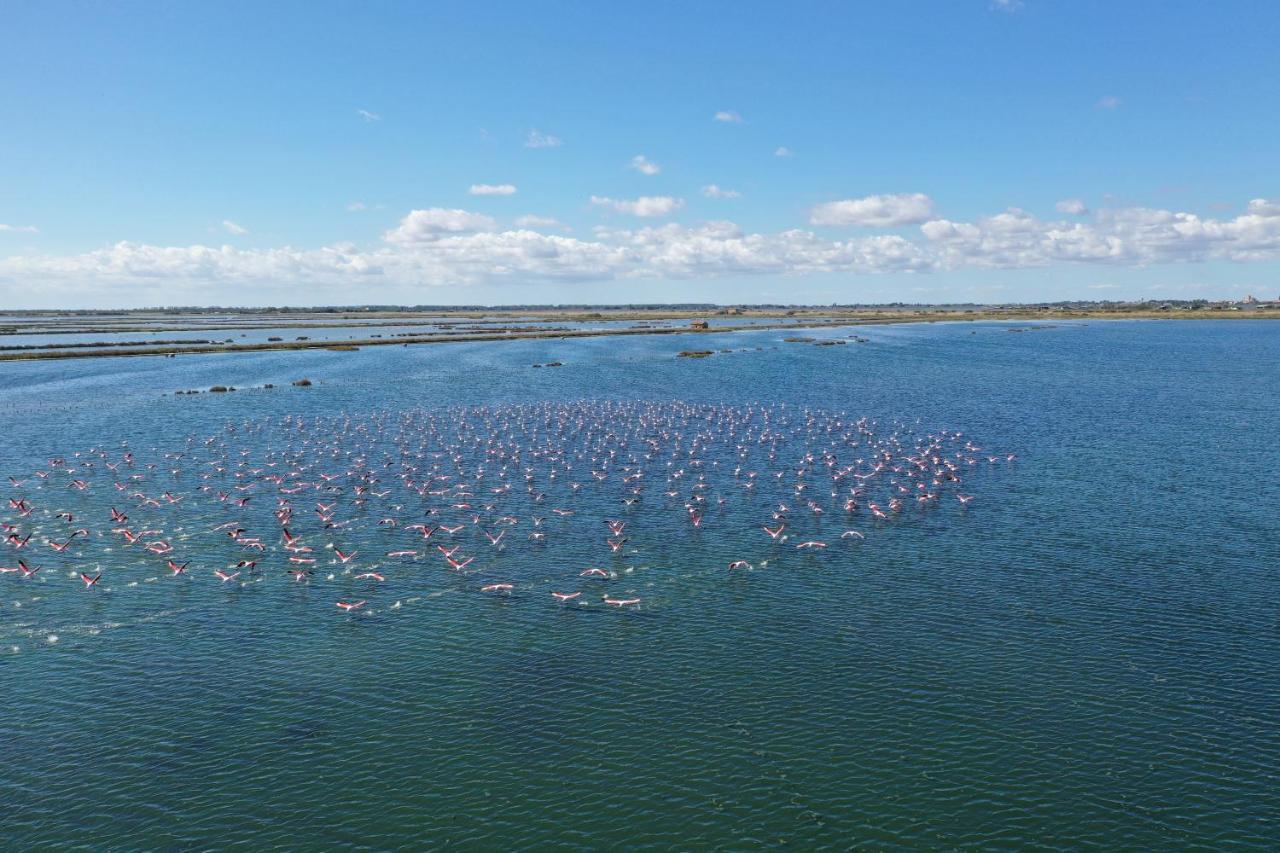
(1085,654)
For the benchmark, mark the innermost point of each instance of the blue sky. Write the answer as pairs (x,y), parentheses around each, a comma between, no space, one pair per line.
(303,153)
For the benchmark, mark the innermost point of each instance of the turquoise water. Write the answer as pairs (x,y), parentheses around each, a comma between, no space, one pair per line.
(1086,654)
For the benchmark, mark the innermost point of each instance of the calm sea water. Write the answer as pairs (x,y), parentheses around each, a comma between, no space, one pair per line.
(1088,655)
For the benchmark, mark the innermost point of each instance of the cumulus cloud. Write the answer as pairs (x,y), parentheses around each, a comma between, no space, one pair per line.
(711,249)
(645,205)
(368,116)
(728,116)
(233,228)
(1134,236)
(783,151)
(426,225)
(492,189)
(537,139)
(713,191)
(438,246)
(1072,206)
(880,211)
(644,166)
(1108,102)
(19,229)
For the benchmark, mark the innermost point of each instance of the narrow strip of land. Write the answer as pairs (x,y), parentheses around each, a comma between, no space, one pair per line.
(509,333)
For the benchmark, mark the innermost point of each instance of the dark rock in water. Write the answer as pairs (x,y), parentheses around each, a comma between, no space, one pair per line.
(694,353)
(302,338)
(829,344)
(268,385)
(302,383)
(218,389)
(553,364)
(537,365)
(798,340)
(274,340)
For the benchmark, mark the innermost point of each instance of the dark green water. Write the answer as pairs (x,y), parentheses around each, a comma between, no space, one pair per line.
(1086,656)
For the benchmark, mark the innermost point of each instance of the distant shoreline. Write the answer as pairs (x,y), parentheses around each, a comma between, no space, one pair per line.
(810,318)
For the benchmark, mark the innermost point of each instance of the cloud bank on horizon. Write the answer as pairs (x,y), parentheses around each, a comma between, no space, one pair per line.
(823,174)
(455,247)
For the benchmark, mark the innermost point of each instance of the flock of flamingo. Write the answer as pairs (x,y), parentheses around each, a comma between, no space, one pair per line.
(556,501)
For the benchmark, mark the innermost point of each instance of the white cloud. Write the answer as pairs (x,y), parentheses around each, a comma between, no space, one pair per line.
(19,229)
(492,189)
(434,222)
(1262,207)
(357,206)
(671,251)
(881,211)
(1072,206)
(644,166)
(728,116)
(538,139)
(1108,102)
(713,191)
(1006,5)
(645,205)
(529,220)
(438,247)
(368,116)
(1132,236)
(233,228)
(783,151)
